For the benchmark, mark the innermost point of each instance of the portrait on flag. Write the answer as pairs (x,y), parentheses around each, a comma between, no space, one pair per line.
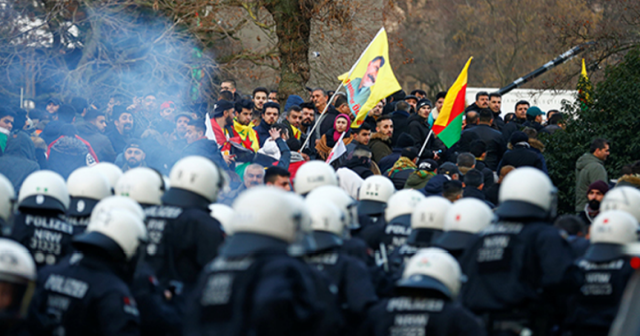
(370,80)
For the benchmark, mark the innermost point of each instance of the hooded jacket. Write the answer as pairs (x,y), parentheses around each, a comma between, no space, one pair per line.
(418,179)
(99,142)
(68,153)
(19,159)
(380,145)
(588,170)
(629,181)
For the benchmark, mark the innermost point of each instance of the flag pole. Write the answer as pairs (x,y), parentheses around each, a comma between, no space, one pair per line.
(425,144)
(322,115)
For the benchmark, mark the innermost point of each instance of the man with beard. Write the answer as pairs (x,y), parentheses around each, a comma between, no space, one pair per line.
(178,137)
(308,117)
(222,121)
(198,144)
(122,126)
(134,155)
(260,96)
(242,129)
(292,121)
(595,194)
(270,115)
(92,129)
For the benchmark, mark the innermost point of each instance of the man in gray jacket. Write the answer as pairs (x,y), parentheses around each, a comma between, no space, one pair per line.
(590,168)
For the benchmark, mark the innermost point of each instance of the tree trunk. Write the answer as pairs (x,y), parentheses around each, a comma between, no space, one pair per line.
(293,28)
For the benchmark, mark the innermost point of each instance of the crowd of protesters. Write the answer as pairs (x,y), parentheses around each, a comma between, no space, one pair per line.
(215,241)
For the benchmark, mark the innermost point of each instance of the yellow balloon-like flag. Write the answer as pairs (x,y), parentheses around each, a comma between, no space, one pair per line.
(371,79)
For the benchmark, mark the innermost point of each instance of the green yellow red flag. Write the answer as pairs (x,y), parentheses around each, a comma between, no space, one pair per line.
(448,126)
(371,79)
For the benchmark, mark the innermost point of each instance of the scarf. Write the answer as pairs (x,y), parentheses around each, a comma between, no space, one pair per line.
(336,134)
(403,163)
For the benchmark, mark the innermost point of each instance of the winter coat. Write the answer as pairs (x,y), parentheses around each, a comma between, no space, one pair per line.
(207,148)
(19,159)
(262,131)
(399,173)
(521,156)
(388,161)
(496,145)
(629,181)
(418,179)
(538,148)
(400,124)
(361,166)
(118,141)
(435,184)
(588,170)
(99,142)
(69,153)
(380,145)
(419,129)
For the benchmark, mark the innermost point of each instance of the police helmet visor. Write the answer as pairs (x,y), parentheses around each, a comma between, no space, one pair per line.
(454,240)
(14,300)
(81,206)
(369,208)
(422,281)
(243,243)
(325,240)
(42,202)
(602,252)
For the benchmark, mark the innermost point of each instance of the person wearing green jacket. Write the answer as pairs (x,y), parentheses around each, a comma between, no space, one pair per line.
(590,168)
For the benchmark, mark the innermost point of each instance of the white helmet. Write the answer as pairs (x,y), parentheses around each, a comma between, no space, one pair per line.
(340,199)
(464,219)
(86,187)
(44,189)
(17,267)
(622,198)
(609,232)
(527,193)
(111,171)
(314,174)
(374,195)
(327,224)
(402,203)
(433,268)
(142,184)
(430,213)
(7,197)
(198,175)
(223,214)
(118,203)
(272,214)
(121,226)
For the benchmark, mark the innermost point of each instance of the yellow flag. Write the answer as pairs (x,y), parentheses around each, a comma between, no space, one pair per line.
(371,79)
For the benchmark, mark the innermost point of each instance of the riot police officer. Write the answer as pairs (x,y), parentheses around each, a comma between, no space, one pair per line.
(386,237)
(254,287)
(183,236)
(7,198)
(223,214)
(605,271)
(427,222)
(86,188)
(87,293)
(39,224)
(373,196)
(347,274)
(463,221)
(622,198)
(17,278)
(425,301)
(112,172)
(143,185)
(519,266)
(314,174)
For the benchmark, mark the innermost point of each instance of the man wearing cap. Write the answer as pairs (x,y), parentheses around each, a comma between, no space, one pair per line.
(595,194)
(53,104)
(446,172)
(413,102)
(534,118)
(134,155)
(427,169)
(418,125)
(166,110)
(222,121)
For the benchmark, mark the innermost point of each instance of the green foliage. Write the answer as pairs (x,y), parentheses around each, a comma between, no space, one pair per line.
(614,115)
